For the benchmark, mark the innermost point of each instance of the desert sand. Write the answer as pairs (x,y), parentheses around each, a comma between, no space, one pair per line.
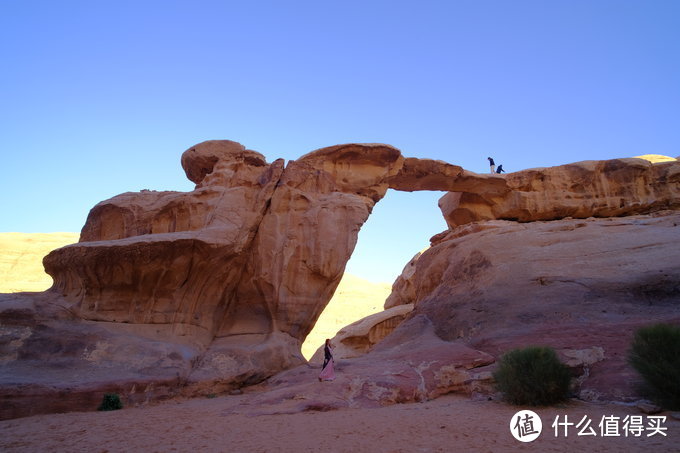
(228,424)
(21,255)
(354,299)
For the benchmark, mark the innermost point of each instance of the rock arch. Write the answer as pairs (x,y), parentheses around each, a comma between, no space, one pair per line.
(216,288)
(257,248)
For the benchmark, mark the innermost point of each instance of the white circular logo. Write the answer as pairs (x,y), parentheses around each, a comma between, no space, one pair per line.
(526,426)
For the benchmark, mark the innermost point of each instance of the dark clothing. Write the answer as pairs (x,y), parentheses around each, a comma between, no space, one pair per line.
(491,162)
(327,356)
(500,169)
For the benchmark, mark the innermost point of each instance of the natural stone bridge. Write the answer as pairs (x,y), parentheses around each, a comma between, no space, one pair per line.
(258,248)
(217,288)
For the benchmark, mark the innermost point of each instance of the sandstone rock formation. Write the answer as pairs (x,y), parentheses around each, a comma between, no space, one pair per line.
(206,291)
(572,284)
(403,289)
(609,188)
(412,365)
(360,336)
(21,269)
(253,250)
(219,285)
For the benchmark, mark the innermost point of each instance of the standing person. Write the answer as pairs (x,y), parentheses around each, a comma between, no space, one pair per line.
(327,370)
(492,164)
(500,169)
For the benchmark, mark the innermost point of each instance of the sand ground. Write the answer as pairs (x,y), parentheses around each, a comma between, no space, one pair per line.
(21,255)
(449,423)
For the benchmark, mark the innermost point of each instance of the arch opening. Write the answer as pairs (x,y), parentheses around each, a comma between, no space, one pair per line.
(399,227)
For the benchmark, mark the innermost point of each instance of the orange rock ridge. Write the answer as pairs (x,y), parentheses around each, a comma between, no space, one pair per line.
(214,289)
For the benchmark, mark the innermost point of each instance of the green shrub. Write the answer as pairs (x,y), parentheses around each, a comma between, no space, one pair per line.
(655,354)
(111,402)
(532,376)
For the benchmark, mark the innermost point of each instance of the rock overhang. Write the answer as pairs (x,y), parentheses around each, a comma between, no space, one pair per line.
(256,250)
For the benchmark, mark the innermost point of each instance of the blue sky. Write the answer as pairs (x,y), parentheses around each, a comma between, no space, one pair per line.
(102,97)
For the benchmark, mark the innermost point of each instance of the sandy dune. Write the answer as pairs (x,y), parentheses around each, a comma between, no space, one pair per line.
(21,255)
(355,298)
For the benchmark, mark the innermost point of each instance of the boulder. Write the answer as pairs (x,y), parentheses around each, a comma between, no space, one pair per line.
(360,336)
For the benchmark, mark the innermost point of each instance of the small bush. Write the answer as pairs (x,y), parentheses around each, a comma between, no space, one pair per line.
(655,354)
(111,402)
(532,376)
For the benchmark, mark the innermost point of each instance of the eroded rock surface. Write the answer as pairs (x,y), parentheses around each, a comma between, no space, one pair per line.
(360,336)
(415,366)
(223,282)
(575,285)
(611,188)
(403,288)
(202,292)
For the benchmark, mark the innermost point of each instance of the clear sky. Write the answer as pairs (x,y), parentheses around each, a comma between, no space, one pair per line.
(102,97)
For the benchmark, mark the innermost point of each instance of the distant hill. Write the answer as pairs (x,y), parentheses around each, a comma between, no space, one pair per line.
(354,299)
(21,255)
(654,158)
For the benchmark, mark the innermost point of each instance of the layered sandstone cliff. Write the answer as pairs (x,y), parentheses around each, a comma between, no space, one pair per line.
(580,286)
(611,188)
(204,291)
(210,289)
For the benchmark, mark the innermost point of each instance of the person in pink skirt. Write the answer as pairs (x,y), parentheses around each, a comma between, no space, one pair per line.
(327,370)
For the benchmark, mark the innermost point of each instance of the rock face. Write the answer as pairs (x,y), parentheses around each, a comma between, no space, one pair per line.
(219,286)
(253,250)
(360,336)
(403,289)
(575,285)
(609,188)
(168,257)
(214,289)
(411,365)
